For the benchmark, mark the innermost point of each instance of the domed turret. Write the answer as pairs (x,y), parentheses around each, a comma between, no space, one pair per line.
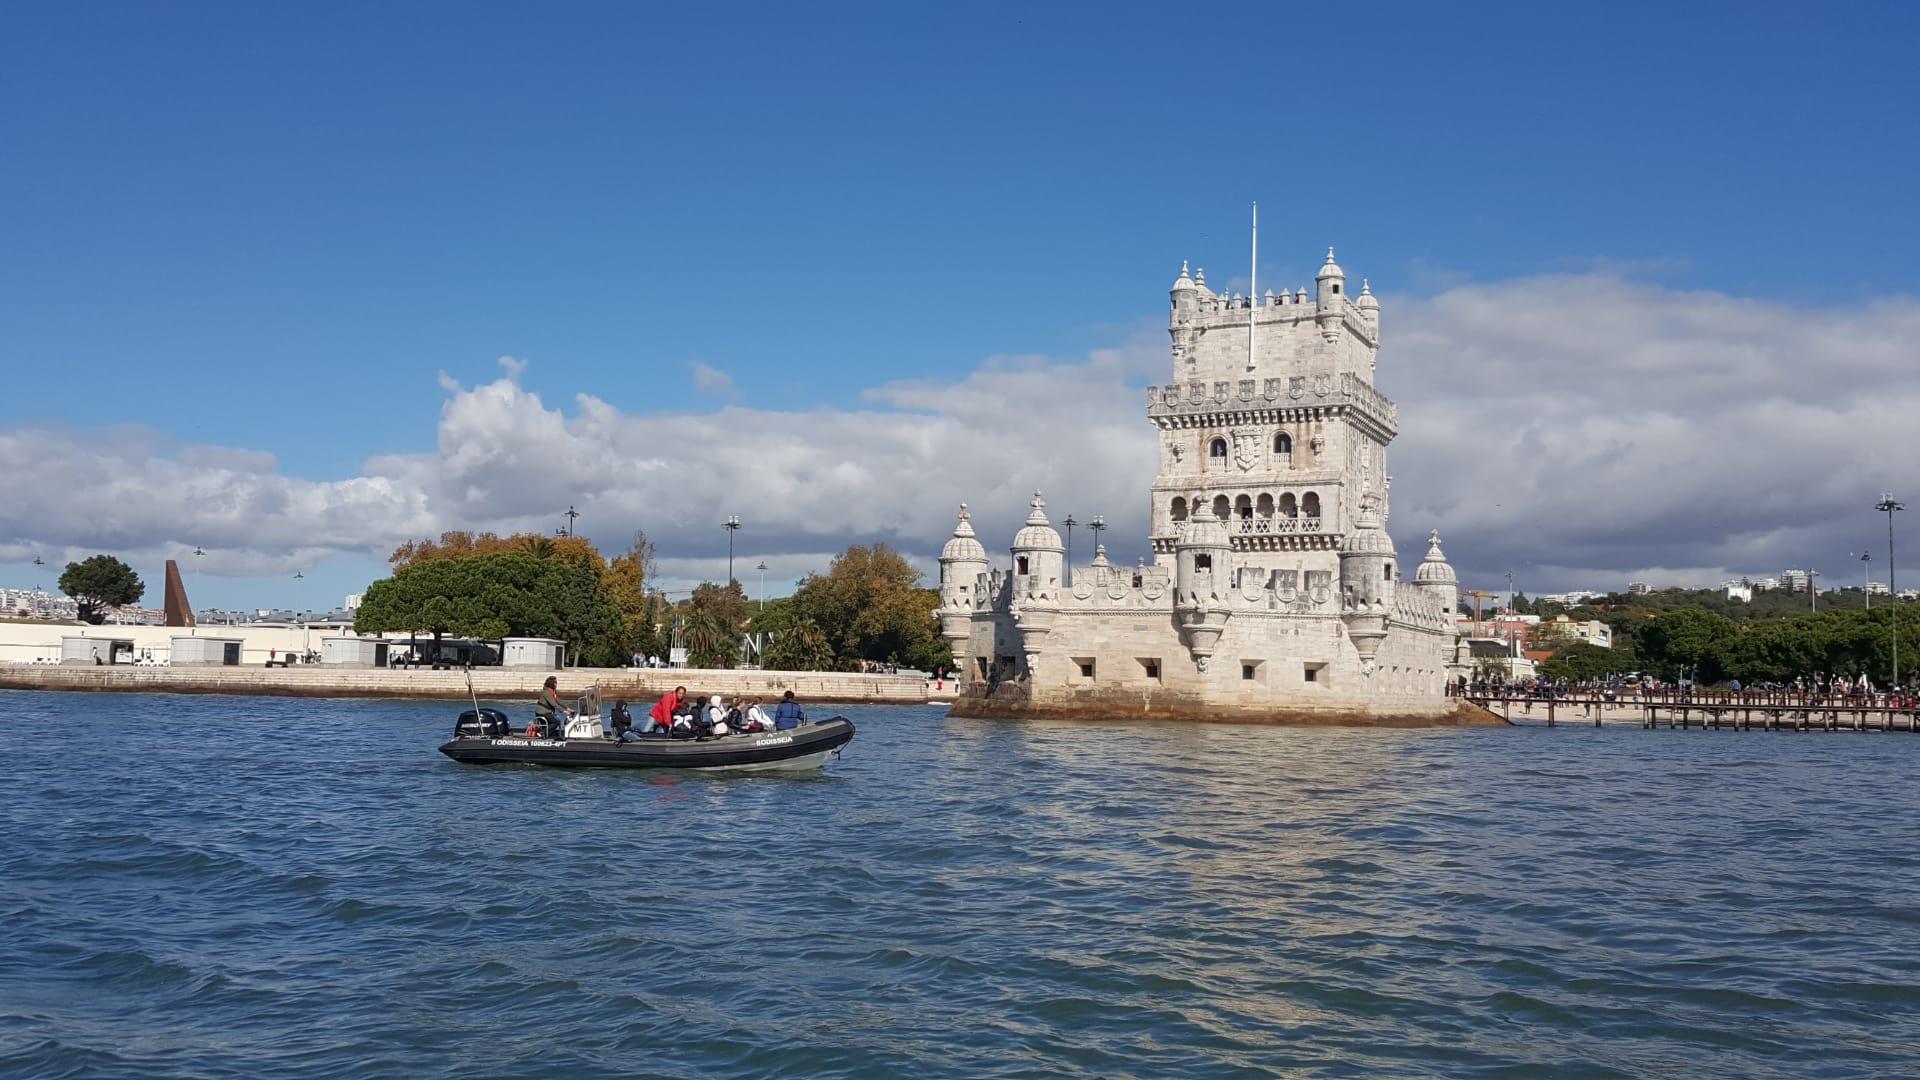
(1367,557)
(1367,302)
(1436,578)
(1329,283)
(1039,558)
(962,561)
(1183,283)
(1201,567)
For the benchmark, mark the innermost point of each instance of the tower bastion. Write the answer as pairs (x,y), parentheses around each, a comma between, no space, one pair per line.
(1273,592)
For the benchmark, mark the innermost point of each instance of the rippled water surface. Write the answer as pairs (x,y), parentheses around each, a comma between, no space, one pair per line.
(243,887)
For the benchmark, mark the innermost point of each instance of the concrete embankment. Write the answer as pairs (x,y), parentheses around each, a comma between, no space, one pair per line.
(632,684)
(1455,714)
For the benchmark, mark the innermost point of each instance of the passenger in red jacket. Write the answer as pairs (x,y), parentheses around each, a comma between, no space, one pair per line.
(663,710)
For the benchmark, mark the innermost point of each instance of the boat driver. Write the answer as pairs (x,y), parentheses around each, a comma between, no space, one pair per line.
(546,710)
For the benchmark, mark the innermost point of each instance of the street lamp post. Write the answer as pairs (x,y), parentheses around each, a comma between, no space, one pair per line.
(1510,626)
(1888,505)
(1069,523)
(1866,577)
(1813,591)
(732,525)
(1098,525)
(763,586)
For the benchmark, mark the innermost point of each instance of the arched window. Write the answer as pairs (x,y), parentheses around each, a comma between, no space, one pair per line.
(1265,505)
(1221,507)
(1310,505)
(1288,506)
(1386,572)
(1243,507)
(1179,508)
(1217,451)
(1283,448)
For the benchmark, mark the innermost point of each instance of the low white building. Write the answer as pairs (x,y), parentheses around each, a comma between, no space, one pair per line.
(351,651)
(192,650)
(91,649)
(532,652)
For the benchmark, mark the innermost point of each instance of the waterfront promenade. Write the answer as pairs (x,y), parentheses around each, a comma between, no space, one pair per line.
(490,683)
(1709,709)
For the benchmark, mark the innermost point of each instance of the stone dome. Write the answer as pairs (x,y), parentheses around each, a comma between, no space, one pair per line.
(1037,535)
(1203,529)
(1183,283)
(1331,270)
(1434,569)
(964,547)
(1367,299)
(1369,533)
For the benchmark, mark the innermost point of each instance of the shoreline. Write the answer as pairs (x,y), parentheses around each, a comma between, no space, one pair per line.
(630,684)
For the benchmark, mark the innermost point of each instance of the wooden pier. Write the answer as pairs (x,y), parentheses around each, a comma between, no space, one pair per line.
(1711,710)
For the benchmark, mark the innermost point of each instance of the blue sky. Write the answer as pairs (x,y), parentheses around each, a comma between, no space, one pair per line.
(272,227)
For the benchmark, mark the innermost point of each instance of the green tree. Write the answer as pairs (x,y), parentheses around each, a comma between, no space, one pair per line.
(800,646)
(870,607)
(99,582)
(716,620)
(494,596)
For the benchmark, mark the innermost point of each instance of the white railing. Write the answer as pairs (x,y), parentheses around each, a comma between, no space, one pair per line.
(1260,526)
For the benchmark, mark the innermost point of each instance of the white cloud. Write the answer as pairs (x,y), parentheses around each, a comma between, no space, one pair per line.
(711,380)
(1578,428)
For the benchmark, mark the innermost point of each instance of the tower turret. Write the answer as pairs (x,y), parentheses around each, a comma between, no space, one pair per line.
(962,561)
(1366,580)
(1185,301)
(1201,565)
(1329,284)
(1369,306)
(1039,558)
(1436,578)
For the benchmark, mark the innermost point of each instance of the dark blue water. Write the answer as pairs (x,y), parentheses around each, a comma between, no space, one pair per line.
(245,887)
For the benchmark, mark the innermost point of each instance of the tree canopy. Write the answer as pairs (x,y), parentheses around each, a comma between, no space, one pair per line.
(491,596)
(869,606)
(100,582)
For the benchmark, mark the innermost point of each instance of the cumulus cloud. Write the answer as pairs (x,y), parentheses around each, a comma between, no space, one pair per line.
(1581,429)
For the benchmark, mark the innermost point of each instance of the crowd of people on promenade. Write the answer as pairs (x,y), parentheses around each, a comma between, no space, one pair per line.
(1818,691)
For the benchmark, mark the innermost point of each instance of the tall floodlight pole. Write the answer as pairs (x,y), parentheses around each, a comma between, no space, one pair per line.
(1866,577)
(732,525)
(763,586)
(1813,592)
(570,515)
(1510,627)
(1098,525)
(1889,505)
(1253,285)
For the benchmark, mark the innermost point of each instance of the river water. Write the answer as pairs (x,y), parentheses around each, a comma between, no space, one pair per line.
(256,886)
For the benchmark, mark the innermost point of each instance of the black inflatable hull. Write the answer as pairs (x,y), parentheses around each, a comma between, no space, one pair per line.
(801,748)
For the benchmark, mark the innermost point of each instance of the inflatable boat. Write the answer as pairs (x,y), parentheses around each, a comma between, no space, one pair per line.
(486,737)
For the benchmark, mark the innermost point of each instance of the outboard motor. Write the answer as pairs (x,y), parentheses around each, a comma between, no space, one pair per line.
(481,724)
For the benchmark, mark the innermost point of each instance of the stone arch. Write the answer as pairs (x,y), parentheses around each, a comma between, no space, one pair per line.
(1310,505)
(1265,506)
(1283,448)
(1221,507)
(1243,507)
(1289,506)
(1217,452)
(1179,508)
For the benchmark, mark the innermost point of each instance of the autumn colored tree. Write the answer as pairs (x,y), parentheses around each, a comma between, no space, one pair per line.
(869,606)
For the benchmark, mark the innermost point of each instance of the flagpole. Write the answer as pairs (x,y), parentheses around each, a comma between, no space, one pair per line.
(1253,285)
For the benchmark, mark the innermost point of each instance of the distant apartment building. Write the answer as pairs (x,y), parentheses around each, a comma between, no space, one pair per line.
(1574,598)
(1795,580)
(1638,588)
(1876,588)
(1741,590)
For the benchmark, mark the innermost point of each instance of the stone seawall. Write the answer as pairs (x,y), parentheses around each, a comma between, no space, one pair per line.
(491,684)
(1010,704)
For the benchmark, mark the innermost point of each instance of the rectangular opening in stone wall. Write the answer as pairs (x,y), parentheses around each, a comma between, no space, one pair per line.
(1314,673)
(1151,666)
(1085,664)
(1252,670)
(981,663)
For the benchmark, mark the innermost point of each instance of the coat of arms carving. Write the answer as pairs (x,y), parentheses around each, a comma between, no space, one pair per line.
(1246,448)
(1322,384)
(1297,387)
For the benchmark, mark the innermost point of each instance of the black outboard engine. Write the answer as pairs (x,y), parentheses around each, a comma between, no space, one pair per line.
(482,724)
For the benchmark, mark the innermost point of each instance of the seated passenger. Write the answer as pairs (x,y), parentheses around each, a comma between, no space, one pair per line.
(621,720)
(756,719)
(717,716)
(546,709)
(788,714)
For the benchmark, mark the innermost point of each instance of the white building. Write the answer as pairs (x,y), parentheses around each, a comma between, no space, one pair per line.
(1274,590)
(1638,588)
(1738,590)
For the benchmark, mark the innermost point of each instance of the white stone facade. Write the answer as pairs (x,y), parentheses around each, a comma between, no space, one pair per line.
(1274,591)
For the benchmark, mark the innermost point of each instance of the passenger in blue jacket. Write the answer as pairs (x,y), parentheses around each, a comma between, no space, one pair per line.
(788,714)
